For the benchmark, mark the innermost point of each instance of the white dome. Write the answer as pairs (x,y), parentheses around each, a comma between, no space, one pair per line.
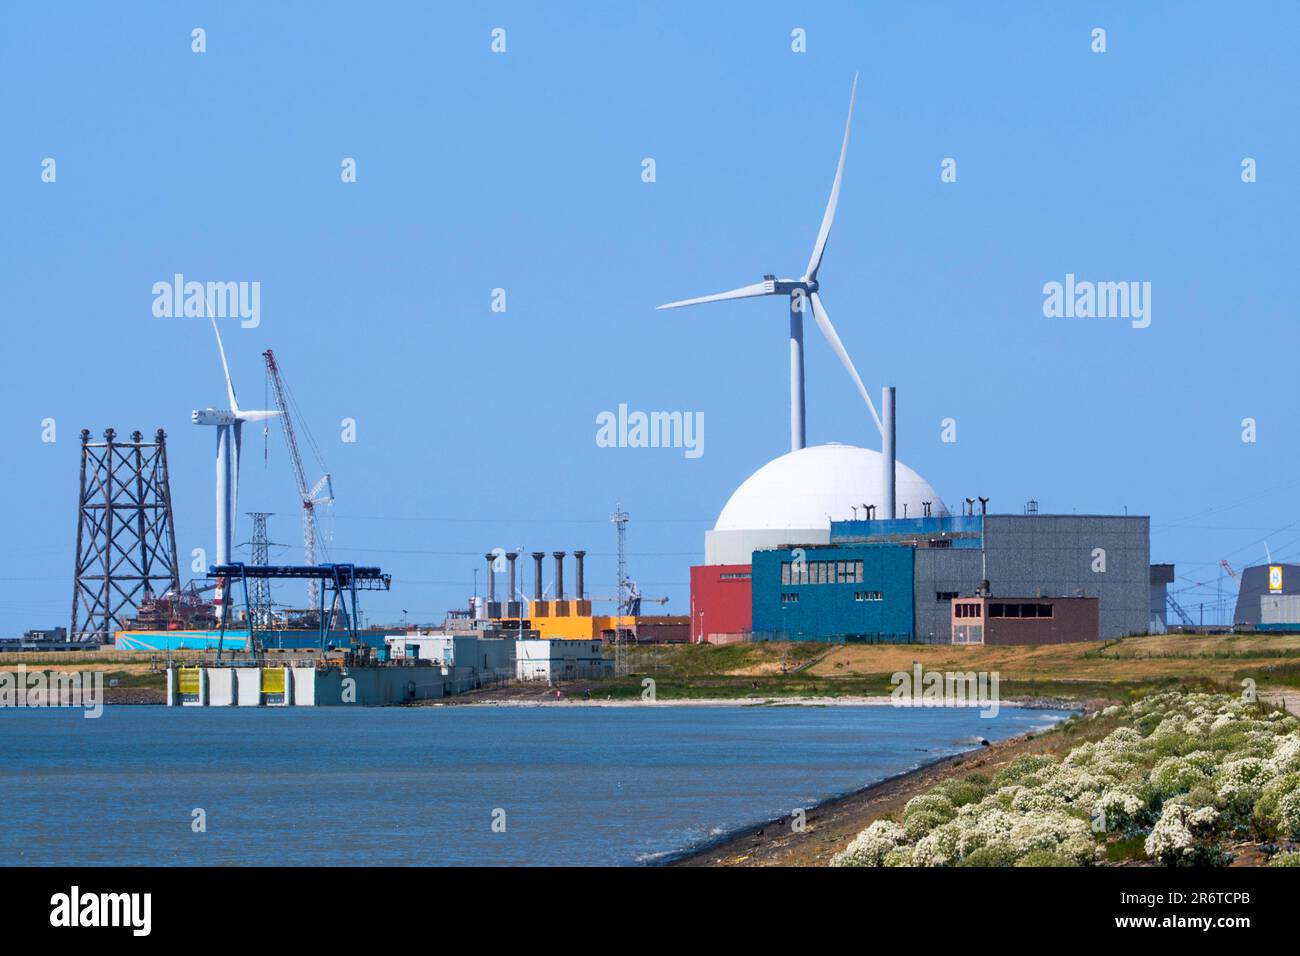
(809,487)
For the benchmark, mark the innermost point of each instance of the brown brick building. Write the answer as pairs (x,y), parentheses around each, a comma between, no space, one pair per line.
(1004,620)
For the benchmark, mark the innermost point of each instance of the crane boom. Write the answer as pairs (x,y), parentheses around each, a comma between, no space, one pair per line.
(311,495)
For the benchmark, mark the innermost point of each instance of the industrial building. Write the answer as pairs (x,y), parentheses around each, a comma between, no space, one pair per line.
(1006,620)
(880,580)
(565,616)
(799,553)
(470,661)
(300,684)
(721,603)
(857,592)
(1268,597)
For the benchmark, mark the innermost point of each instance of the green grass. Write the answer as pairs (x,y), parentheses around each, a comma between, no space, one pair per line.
(1126,848)
(1285,675)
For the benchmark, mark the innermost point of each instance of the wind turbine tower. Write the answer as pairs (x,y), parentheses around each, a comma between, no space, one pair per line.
(229,423)
(801,291)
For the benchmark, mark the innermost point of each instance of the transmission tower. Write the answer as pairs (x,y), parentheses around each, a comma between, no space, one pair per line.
(260,601)
(126,541)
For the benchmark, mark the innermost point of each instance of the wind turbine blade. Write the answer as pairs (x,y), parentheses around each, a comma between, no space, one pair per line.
(256,416)
(767,287)
(828,330)
(819,248)
(230,388)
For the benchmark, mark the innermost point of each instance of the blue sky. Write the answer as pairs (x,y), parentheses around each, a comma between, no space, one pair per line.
(522,171)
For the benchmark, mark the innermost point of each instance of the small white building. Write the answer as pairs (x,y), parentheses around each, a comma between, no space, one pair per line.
(557,660)
(467,661)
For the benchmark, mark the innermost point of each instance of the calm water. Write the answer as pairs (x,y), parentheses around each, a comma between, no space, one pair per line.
(325,786)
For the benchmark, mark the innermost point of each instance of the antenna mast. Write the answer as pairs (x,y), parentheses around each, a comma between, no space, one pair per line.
(620,519)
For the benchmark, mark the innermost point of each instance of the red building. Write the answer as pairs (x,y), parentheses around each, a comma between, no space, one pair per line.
(720,603)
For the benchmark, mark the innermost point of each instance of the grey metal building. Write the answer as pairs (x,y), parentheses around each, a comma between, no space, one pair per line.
(1260,592)
(1103,556)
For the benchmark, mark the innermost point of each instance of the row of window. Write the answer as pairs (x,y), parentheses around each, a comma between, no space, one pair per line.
(1019,610)
(792,597)
(821,572)
(968,609)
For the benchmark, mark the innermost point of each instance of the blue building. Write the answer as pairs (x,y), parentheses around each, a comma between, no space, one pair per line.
(841,593)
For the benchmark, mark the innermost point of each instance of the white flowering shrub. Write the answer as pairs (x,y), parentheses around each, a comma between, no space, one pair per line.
(1239,783)
(1174,775)
(1286,755)
(1288,814)
(871,846)
(939,847)
(1178,838)
(1119,809)
(1277,811)
(1040,798)
(1193,768)
(930,803)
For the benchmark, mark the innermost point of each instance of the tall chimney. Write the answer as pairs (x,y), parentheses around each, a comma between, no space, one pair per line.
(577,557)
(510,556)
(559,575)
(537,574)
(888,457)
(492,576)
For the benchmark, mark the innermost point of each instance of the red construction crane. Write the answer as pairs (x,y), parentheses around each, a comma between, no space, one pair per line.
(321,493)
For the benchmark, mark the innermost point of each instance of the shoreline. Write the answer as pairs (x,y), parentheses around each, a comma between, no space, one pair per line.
(831,823)
(468,700)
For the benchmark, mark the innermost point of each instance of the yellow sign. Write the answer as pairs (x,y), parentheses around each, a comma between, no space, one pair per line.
(187,681)
(1275,577)
(272,680)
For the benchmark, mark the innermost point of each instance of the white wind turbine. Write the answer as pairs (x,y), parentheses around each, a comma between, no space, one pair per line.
(799,290)
(229,423)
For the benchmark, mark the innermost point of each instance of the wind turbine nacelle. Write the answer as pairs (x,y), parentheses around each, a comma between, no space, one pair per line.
(213,416)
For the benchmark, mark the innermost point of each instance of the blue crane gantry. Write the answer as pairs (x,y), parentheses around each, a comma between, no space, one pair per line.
(333,577)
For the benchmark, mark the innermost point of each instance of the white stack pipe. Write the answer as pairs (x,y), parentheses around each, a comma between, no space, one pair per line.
(888,457)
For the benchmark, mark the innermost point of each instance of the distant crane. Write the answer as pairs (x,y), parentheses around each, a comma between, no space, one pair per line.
(634,599)
(1236,580)
(321,493)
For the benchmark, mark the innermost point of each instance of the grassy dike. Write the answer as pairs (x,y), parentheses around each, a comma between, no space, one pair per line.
(1115,670)
(1112,671)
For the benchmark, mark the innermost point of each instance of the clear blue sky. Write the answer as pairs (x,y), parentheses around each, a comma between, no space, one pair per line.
(523,171)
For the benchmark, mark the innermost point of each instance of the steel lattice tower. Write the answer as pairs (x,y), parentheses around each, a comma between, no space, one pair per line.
(261,547)
(126,541)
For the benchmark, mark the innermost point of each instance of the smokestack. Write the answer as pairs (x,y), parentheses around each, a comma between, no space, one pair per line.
(577,557)
(888,457)
(492,576)
(510,556)
(559,575)
(537,574)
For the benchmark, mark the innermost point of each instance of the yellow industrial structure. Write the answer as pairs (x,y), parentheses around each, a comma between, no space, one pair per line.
(571,620)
